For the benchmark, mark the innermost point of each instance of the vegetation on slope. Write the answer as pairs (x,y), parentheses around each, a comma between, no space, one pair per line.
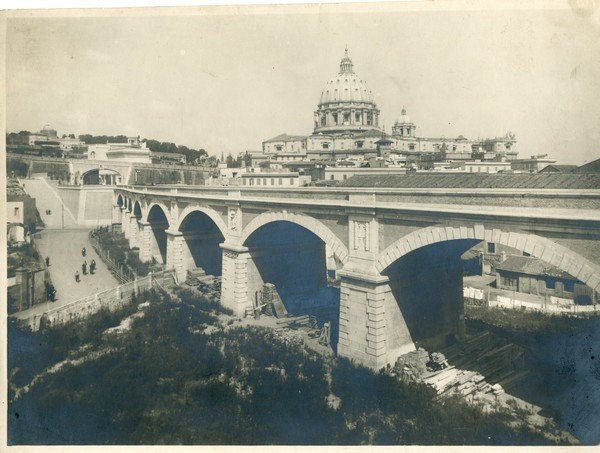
(185,373)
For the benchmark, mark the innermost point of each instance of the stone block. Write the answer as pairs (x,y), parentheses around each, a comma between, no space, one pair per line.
(488,235)
(529,244)
(538,250)
(449,233)
(479,231)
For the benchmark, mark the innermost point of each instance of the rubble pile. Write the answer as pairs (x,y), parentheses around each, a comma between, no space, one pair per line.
(209,285)
(412,366)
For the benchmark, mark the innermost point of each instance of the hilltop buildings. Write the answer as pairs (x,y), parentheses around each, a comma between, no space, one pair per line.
(347,127)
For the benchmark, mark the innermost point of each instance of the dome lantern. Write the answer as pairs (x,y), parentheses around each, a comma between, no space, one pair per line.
(346,66)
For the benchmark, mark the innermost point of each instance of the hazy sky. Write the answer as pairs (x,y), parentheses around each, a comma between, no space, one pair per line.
(227,82)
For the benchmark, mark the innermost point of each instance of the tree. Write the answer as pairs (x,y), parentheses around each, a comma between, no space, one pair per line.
(247,159)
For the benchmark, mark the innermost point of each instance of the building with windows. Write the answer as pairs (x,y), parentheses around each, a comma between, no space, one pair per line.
(132,151)
(532,165)
(275,179)
(347,124)
(529,275)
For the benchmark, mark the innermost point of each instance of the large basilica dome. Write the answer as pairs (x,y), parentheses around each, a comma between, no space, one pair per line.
(346,103)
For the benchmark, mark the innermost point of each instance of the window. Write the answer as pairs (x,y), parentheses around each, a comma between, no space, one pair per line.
(243,181)
(258,181)
(325,145)
(278,147)
(16,212)
(411,146)
(332,177)
(323,120)
(272,181)
(357,117)
(509,280)
(346,117)
(280,181)
(359,144)
(291,181)
(345,176)
(48,211)
(569,285)
(264,181)
(550,283)
(491,247)
(335,117)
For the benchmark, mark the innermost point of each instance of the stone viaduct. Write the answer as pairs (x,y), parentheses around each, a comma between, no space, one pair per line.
(395,252)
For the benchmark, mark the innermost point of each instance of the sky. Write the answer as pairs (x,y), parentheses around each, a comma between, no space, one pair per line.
(225,82)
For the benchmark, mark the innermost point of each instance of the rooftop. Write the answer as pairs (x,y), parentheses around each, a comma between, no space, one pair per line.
(531,266)
(478,181)
(286,138)
(590,167)
(558,168)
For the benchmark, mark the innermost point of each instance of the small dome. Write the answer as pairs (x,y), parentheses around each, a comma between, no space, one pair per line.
(48,130)
(404,118)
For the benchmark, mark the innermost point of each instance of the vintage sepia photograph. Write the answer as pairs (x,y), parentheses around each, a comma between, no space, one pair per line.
(302,224)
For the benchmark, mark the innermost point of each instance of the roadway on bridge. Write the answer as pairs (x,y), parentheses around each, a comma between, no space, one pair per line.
(63,247)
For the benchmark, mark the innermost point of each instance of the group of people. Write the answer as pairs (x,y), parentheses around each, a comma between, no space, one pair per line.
(84,266)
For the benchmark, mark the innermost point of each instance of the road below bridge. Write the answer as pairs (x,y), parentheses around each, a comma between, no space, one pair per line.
(63,247)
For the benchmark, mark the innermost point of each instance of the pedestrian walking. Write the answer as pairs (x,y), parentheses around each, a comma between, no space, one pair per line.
(84,267)
(77,276)
(47,261)
(93,266)
(83,251)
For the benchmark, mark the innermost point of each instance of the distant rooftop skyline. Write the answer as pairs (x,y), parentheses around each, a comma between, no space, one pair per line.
(227,82)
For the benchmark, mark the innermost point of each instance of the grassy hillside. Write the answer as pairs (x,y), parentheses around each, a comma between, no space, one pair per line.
(186,373)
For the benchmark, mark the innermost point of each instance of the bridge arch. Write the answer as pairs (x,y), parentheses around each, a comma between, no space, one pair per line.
(537,246)
(120,201)
(202,230)
(310,223)
(162,207)
(210,213)
(101,176)
(153,240)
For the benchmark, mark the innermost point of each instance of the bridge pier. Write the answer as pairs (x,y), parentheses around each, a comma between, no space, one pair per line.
(372,329)
(125,222)
(235,278)
(143,241)
(133,231)
(116,214)
(175,244)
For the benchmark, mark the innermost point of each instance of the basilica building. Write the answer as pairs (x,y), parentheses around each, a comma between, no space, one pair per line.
(347,126)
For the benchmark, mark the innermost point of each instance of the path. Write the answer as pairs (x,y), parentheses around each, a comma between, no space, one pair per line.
(64,249)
